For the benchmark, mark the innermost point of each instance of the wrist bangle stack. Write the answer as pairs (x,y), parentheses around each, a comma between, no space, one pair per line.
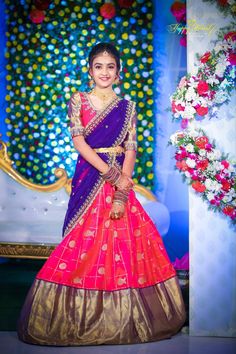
(120,196)
(112,175)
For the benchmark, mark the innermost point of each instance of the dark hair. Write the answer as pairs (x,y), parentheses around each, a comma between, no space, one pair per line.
(102,47)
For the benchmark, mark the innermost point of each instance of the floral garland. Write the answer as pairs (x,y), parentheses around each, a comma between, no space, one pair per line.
(227,7)
(200,94)
(202,165)
(206,169)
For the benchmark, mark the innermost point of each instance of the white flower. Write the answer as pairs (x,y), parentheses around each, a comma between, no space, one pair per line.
(189,112)
(190,148)
(202,152)
(220,69)
(187,174)
(227,198)
(216,165)
(212,185)
(210,196)
(212,80)
(214,155)
(174,138)
(190,94)
(190,162)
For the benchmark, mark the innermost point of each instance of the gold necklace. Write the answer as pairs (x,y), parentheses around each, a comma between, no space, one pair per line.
(103,96)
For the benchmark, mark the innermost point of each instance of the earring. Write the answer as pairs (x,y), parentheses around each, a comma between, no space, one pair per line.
(117,81)
(91,83)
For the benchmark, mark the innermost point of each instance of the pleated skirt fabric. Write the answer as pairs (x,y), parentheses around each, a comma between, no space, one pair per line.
(107,282)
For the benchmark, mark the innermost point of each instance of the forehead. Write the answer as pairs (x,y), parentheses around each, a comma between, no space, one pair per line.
(104,59)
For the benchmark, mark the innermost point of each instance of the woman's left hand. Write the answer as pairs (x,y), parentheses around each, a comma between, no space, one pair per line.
(117,211)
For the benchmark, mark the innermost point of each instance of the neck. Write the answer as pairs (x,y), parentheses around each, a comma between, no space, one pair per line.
(103,90)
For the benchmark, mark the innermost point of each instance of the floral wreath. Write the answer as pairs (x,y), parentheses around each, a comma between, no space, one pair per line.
(201,164)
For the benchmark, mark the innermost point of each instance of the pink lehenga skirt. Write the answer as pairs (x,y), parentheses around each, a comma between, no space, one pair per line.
(107,282)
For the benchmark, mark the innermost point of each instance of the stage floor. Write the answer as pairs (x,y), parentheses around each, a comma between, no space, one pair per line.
(180,344)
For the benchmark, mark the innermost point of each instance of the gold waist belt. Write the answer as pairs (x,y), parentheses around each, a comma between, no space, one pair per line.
(111,150)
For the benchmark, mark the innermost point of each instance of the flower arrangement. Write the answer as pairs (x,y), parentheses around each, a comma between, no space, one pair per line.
(227,7)
(206,169)
(178,10)
(200,93)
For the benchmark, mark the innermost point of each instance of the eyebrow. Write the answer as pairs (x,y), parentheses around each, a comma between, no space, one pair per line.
(106,64)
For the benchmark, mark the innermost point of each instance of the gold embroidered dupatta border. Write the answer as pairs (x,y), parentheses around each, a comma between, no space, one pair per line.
(111,160)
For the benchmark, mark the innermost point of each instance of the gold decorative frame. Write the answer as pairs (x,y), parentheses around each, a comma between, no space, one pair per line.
(41,251)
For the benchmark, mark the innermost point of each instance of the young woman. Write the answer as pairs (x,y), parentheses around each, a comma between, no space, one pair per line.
(110,280)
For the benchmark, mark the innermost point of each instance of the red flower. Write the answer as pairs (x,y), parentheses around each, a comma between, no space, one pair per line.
(178,10)
(230,35)
(108,10)
(205,57)
(232,58)
(202,110)
(202,164)
(223,2)
(42,4)
(198,186)
(37,16)
(125,3)
(225,185)
(201,142)
(202,87)
(229,210)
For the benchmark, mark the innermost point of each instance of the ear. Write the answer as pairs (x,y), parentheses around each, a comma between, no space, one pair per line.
(90,72)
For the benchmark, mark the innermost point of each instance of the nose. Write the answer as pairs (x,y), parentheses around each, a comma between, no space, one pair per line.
(104,70)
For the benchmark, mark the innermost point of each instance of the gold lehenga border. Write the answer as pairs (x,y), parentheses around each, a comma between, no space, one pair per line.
(40,251)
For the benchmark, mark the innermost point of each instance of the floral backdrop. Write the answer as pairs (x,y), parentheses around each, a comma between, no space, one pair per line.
(47,47)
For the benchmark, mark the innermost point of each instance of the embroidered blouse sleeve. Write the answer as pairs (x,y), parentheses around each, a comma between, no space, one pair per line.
(74,114)
(130,142)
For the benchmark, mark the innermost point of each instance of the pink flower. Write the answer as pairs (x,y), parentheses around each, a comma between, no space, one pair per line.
(184,123)
(183,41)
(225,163)
(182,82)
(181,165)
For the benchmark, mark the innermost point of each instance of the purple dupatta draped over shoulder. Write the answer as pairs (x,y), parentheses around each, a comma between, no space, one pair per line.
(107,129)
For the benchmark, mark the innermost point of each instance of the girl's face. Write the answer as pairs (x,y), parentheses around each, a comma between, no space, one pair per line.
(104,70)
